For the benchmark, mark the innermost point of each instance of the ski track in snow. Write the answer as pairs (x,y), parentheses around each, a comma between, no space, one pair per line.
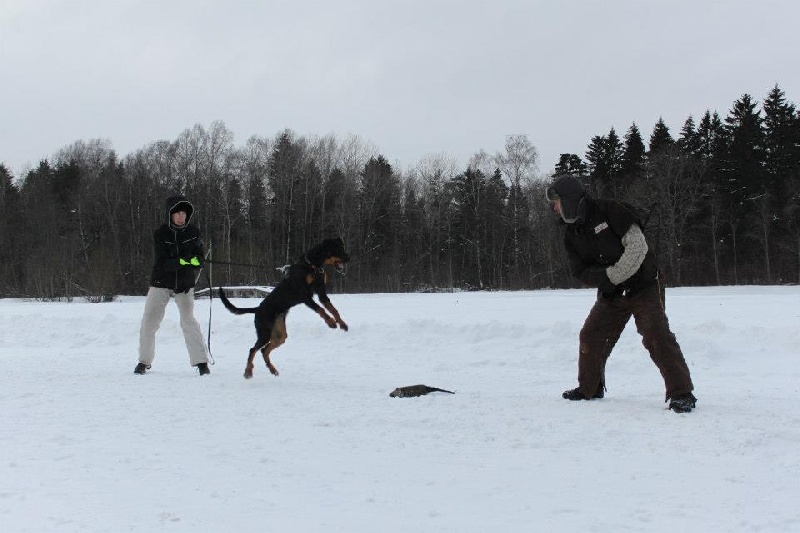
(88,446)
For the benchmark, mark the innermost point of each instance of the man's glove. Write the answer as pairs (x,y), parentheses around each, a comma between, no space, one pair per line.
(597,277)
(194,261)
(608,290)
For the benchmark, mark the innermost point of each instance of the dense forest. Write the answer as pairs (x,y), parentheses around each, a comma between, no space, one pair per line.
(722,199)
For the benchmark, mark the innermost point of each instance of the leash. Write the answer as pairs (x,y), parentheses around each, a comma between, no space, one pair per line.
(210,301)
(234,264)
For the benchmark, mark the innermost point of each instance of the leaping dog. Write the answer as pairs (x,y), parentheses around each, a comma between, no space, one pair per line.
(301,281)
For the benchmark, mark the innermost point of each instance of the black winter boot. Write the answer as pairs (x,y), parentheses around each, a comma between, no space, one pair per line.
(203,368)
(141,368)
(683,403)
(576,394)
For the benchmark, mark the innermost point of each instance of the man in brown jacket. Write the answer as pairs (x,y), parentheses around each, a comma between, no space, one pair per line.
(607,250)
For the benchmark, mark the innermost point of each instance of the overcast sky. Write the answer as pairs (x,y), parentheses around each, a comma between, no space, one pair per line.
(412,77)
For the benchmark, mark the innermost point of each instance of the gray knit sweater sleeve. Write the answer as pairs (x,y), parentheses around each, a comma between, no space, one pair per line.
(632,257)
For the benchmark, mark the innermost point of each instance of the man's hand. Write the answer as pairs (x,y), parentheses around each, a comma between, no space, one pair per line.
(608,290)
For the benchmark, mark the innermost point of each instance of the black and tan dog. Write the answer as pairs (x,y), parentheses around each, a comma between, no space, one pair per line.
(301,281)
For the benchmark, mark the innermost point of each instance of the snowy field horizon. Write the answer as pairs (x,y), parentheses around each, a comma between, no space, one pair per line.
(89,446)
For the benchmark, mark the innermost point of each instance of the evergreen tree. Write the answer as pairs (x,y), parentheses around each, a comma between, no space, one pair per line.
(597,165)
(8,192)
(633,155)
(745,154)
(711,137)
(571,164)
(604,156)
(782,170)
(469,196)
(9,234)
(337,196)
(411,238)
(660,138)
(712,145)
(614,155)
(742,184)
(500,217)
(689,141)
(781,142)
(380,201)
(49,253)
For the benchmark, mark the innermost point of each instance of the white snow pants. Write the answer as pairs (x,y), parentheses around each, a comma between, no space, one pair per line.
(154,308)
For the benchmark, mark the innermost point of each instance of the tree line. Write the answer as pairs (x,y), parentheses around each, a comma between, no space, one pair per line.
(722,204)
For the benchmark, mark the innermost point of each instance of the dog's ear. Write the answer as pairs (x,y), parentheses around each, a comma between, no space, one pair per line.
(327,248)
(319,253)
(340,250)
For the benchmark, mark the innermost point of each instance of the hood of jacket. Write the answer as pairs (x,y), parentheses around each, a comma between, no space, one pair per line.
(179,203)
(572,194)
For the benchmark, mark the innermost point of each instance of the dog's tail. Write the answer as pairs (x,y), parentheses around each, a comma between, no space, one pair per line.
(232,308)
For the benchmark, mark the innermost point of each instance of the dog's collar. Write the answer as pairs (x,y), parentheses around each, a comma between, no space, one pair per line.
(314,268)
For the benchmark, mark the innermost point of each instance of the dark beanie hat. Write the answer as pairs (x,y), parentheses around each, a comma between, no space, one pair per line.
(571,192)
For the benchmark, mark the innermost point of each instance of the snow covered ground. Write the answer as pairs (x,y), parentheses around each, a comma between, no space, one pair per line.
(86,445)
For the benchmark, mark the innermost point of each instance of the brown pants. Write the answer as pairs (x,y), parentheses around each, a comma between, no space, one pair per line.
(604,325)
